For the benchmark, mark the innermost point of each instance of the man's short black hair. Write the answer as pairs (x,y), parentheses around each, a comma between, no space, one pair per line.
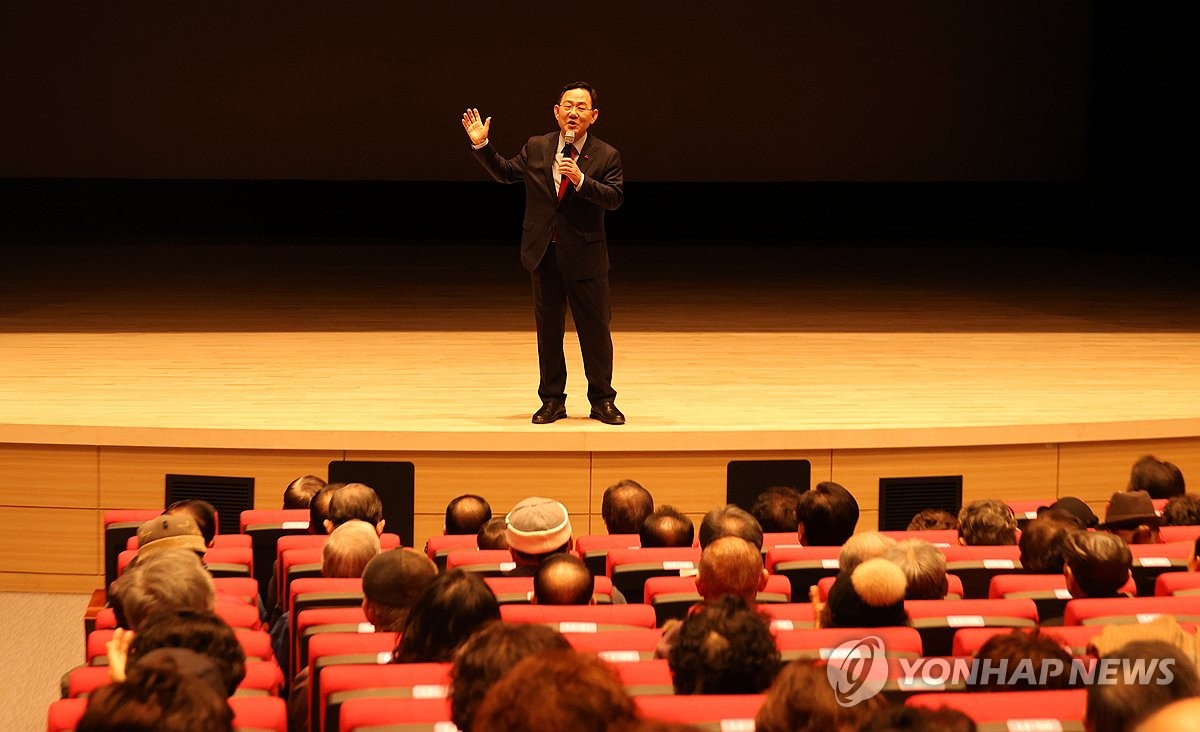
(466,514)
(667,527)
(725,647)
(828,512)
(624,506)
(591,90)
(775,508)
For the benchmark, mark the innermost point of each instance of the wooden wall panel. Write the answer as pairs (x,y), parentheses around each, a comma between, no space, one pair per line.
(1016,472)
(693,482)
(51,541)
(1093,471)
(132,477)
(503,478)
(64,476)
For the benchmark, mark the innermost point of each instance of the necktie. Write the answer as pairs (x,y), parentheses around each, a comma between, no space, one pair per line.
(568,150)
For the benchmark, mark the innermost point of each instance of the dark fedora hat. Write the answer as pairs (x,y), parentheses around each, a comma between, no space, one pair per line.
(1130,509)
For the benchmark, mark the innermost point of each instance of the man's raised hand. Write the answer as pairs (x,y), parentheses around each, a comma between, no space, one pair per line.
(477,128)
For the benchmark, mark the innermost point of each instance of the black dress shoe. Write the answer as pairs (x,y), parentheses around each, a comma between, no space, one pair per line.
(552,410)
(607,412)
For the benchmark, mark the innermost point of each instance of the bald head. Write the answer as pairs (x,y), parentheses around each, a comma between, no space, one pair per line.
(563,579)
(731,565)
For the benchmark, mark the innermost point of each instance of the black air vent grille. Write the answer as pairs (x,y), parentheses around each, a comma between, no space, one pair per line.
(902,498)
(230,496)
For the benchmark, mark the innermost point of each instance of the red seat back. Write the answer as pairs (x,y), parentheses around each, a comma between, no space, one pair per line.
(581,618)
(1011,706)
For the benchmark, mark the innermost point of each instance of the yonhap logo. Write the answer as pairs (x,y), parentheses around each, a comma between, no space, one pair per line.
(857,670)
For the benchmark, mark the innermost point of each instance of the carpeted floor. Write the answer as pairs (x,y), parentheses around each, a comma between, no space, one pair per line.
(42,639)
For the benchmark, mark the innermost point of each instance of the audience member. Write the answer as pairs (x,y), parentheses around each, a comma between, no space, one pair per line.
(1158,478)
(667,527)
(931,519)
(869,597)
(1095,564)
(903,718)
(724,647)
(466,514)
(1131,516)
(355,501)
(1120,706)
(169,690)
(1182,510)
(170,580)
(729,565)
(563,579)
(924,567)
(536,528)
(1076,507)
(826,515)
(167,532)
(624,506)
(987,522)
(556,690)
(775,508)
(493,534)
(730,520)
(861,547)
(1164,628)
(1042,540)
(204,632)
(802,700)
(201,511)
(489,654)
(298,494)
(450,608)
(318,508)
(348,549)
(392,581)
(1044,655)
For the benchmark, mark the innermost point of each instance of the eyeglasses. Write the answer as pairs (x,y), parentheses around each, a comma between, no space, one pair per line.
(568,106)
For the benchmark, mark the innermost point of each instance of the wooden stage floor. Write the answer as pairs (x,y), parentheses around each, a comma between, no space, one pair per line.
(720,345)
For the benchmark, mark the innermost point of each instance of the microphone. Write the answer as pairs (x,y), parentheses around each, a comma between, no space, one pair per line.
(569,137)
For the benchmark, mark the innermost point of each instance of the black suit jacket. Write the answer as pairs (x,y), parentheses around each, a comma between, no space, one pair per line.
(578,220)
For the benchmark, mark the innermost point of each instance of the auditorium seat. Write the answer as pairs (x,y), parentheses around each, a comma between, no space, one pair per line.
(264,527)
(717,711)
(671,597)
(1012,710)
(772,539)
(394,681)
(359,715)
(1183,584)
(937,620)
(63,715)
(630,568)
(647,677)
(1106,611)
(1172,534)
(1048,591)
(582,618)
(318,620)
(822,643)
(593,548)
(258,713)
(342,649)
(263,677)
(976,565)
(229,561)
(1026,511)
(439,545)
(937,537)
(312,592)
(1151,561)
(954,588)
(804,566)
(617,646)
(789,615)
(484,562)
(967,641)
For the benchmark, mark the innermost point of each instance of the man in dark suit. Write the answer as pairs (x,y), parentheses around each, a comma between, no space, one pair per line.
(571,179)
